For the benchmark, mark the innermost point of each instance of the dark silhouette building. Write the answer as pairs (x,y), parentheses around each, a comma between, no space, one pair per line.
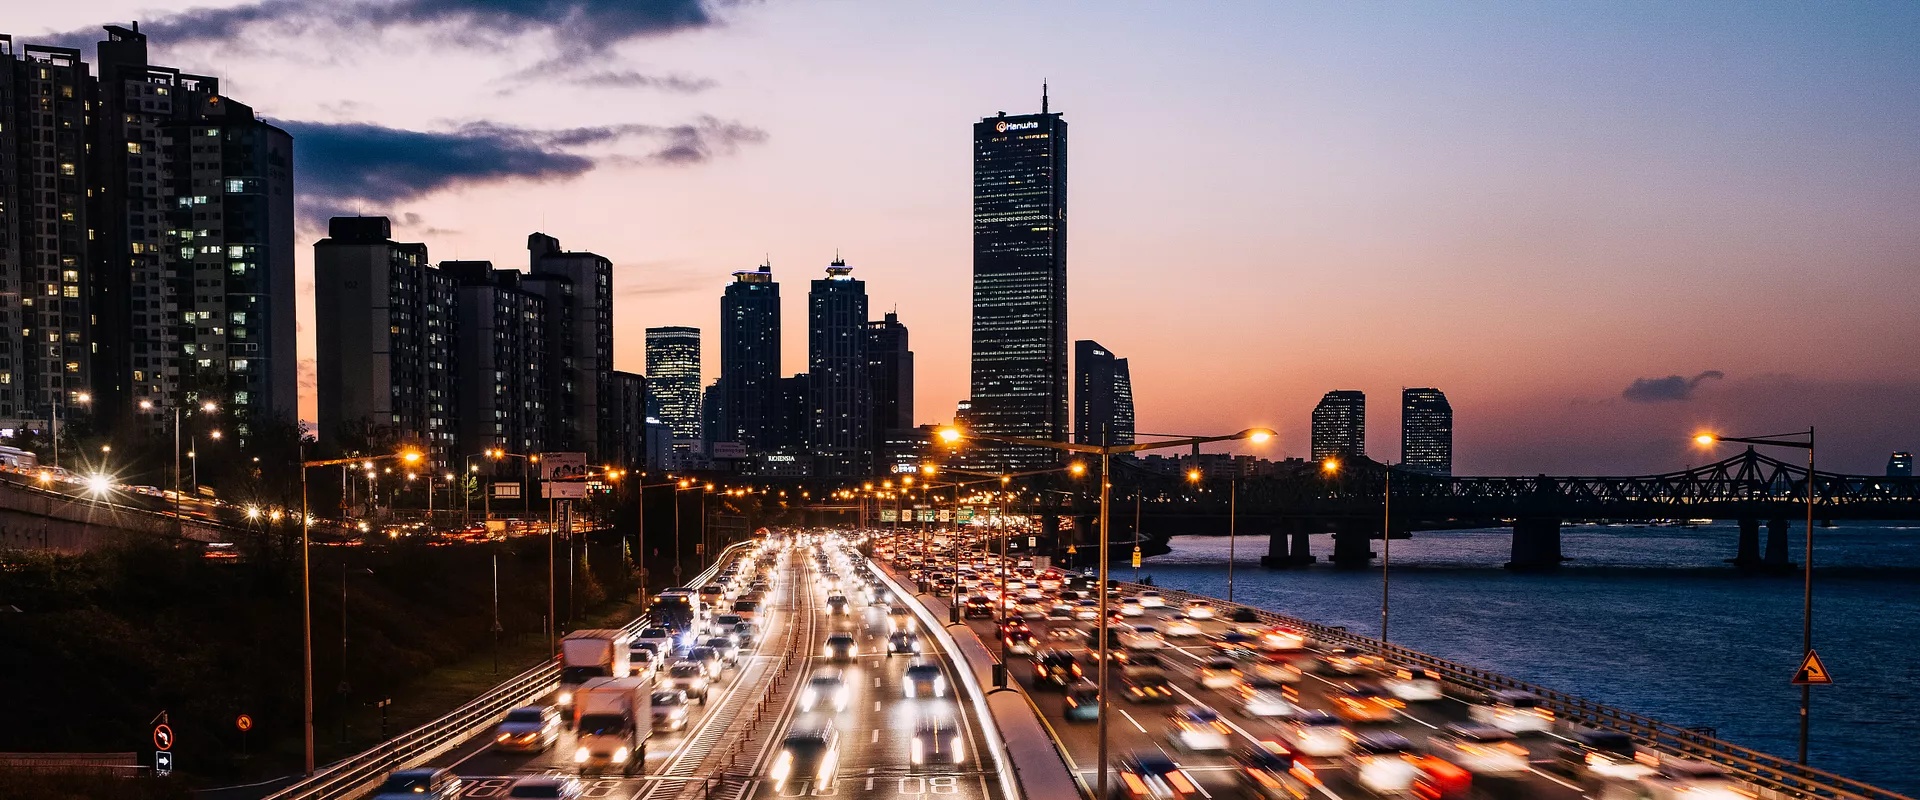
(838,386)
(1900,465)
(1019,380)
(500,352)
(750,358)
(1340,425)
(890,371)
(579,293)
(1103,396)
(1426,431)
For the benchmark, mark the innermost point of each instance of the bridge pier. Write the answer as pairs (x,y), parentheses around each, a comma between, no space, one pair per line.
(1777,530)
(1352,545)
(1536,544)
(1747,553)
(1280,554)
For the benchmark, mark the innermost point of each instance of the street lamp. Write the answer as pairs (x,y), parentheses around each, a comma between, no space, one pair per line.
(1806,598)
(306,578)
(953,435)
(208,407)
(1331,466)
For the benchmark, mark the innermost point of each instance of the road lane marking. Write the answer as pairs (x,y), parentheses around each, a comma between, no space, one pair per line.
(1136,723)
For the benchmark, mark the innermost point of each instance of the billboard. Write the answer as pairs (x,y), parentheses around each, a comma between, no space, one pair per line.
(506,491)
(563,476)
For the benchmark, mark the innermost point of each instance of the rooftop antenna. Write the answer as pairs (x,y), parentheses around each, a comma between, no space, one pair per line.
(1043,95)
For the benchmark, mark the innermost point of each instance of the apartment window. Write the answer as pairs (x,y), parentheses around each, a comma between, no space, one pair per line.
(133,147)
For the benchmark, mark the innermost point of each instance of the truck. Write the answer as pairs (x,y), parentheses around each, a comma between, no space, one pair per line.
(612,719)
(593,653)
(674,611)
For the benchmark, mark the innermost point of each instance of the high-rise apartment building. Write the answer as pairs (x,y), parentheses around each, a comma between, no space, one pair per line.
(839,389)
(1340,425)
(628,416)
(1426,431)
(383,324)
(1900,465)
(750,358)
(500,350)
(1019,380)
(1103,395)
(890,371)
(579,293)
(673,378)
(149,241)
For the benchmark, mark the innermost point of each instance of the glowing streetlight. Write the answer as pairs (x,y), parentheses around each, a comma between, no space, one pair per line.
(99,483)
(253,512)
(1330,465)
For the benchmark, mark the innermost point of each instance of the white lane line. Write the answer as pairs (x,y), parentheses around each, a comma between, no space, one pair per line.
(876,735)
(876,678)
(1555,780)
(1136,723)
(876,705)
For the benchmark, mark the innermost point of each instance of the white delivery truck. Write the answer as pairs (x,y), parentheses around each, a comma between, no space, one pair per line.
(612,719)
(588,654)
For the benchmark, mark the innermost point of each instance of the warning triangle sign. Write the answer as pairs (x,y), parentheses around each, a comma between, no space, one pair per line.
(1812,672)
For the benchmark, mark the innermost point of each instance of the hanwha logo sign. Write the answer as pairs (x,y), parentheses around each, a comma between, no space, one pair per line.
(1003,126)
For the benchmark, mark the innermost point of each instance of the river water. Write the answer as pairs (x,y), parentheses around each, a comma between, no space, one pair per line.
(1649,619)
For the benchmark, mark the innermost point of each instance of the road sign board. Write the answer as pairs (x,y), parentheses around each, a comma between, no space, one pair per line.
(506,491)
(1136,558)
(887,515)
(1812,672)
(163,737)
(162,762)
(244,723)
(966,515)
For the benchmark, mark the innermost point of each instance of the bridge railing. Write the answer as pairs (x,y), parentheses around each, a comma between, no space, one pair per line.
(1763,770)
(356,774)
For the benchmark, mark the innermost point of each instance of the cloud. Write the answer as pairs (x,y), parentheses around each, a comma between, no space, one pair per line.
(357,167)
(1673,388)
(629,79)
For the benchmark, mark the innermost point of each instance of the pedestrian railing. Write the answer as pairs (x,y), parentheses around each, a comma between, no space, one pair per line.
(1762,770)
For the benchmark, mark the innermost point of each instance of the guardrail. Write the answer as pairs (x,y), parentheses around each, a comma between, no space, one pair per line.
(355,774)
(1763,770)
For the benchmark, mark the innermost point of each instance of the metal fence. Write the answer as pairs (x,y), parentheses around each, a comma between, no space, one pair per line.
(353,775)
(1763,770)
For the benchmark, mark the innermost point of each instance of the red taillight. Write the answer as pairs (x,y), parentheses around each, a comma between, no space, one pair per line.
(1135,786)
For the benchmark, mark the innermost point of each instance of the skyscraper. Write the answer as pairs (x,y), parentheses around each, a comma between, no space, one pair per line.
(750,358)
(1019,382)
(500,352)
(1900,465)
(1340,425)
(841,396)
(1103,396)
(579,292)
(1426,431)
(673,376)
(890,370)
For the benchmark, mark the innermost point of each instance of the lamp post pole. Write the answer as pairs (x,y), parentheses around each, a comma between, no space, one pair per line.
(1386,545)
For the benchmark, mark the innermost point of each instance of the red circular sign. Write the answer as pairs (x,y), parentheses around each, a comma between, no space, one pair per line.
(162,737)
(244,723)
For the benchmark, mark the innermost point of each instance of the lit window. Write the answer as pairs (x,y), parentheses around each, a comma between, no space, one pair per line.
(133,147)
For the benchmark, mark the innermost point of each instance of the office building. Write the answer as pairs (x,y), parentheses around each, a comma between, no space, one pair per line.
(1426,431)
(673,378)
(1340,425)
(838,387)
(794,425)
(383,326)
(500,353)
(1900,465)
(890,372)
(628,418)
(750,359)
(1019,375)
(1103,396)
(579,292)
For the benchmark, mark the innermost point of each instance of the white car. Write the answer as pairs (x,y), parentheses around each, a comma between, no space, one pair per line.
(1152,599)
(1692,780)
(1220,673)
(1414,686)
(1086,610)
(1199,609)
(1268,672)
(1384,763)
(1182,626)
(1267,703)
(1479,749)
(826,689)
(1318,734)
(528,728)
(1131,607)
(1513,712)
(1140,637)
(1198,729)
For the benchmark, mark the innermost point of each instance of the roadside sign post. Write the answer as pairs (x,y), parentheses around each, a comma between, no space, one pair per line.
(162,747)
(1812,672)
(244,723)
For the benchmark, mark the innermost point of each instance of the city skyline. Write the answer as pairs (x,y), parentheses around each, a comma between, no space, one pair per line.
(1576,330)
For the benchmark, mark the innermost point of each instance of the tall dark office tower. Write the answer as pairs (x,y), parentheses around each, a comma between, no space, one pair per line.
(1340,425)
(1103,396)
(750,358)
(839,391)
(795,423)
(383,329)
(629,418)
(1900,465)
(1019,385)
(500,352)
(1426,431)
(673,378)
(579,292)
(890,370)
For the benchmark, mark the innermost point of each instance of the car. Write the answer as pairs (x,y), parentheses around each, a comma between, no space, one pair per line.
(904,642)
(1146,684)
(641,662)
(1181,626)
(841,647)
(1364,702)
(1061,611)
(1282,640)
(1266,703)
(1220,673)
(528,728)
(659,640)
(726,648)
(1152,599)
(1269,674)
(709,658)
(1086,610)
(1513,712)
(1056,669)
(748,610)
(924,679)
(1151,775)
(1348,661)
(1679,779)
(837,604)
(723,624)
(1131,607)
(690,677)
(745,633)
(670,710)
(1414,685)
(827,689)
(1266,772)
(1384,763)
(1199,609)
(1235,644)
(1197,728)
(1479,749)
(1585,753)
(900,619)
(1318,734)
(978,607)
(548,788)
(424,783)
(810,752)
(1031,611)
(1018,643)
(936,740)
(1082,702)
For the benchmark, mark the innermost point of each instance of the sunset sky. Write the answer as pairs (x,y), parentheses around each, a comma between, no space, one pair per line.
(1599,227)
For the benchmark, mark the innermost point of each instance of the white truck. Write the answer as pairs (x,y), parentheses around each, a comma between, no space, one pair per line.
(612,719)
(588,654)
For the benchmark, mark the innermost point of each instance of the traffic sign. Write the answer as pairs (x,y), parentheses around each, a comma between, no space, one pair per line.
(1136,558)
(1812,672)
(163,737)
(162,763)
(244,723)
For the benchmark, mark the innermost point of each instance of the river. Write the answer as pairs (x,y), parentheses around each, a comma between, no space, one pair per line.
(1649,619)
